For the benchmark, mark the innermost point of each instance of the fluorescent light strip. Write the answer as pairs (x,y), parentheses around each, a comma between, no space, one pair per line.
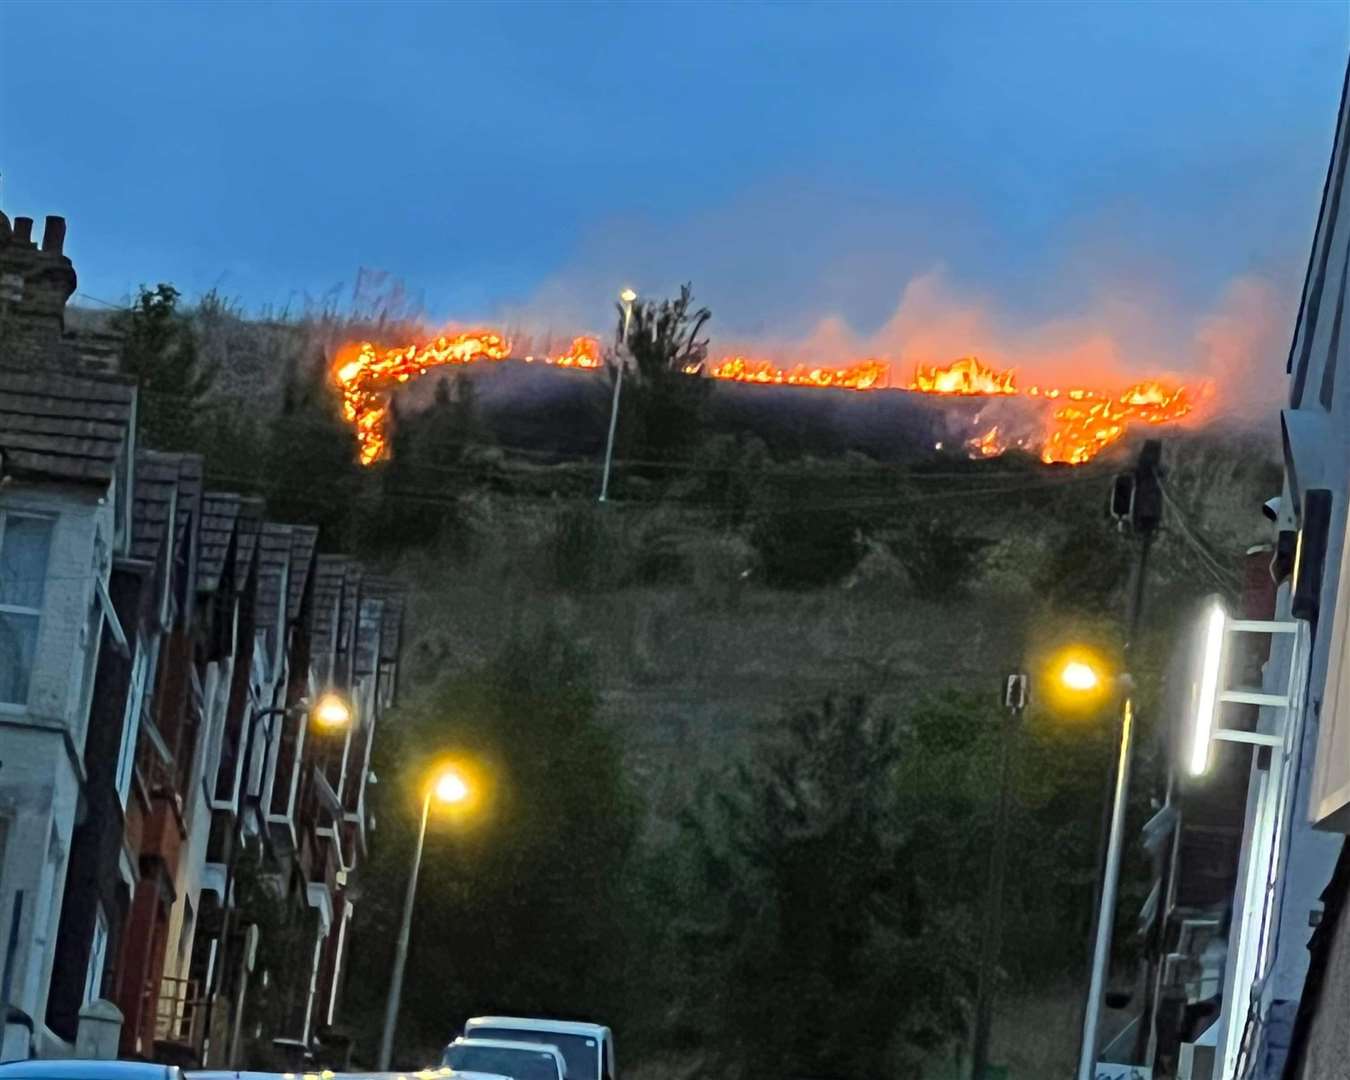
(1208,697)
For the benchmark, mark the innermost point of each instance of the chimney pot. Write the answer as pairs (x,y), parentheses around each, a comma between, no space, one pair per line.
(23,230)
(54,234)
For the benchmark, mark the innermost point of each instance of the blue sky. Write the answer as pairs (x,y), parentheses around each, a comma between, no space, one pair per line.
(797,162)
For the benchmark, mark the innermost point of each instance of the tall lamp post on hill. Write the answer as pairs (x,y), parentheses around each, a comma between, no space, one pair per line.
(627,297)
(448,787)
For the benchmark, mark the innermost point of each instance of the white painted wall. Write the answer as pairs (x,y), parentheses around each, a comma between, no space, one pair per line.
(42,742)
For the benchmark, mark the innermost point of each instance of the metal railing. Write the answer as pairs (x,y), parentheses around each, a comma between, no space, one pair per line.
(179,1011)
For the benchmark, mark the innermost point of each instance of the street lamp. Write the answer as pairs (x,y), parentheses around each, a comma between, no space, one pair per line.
(1015,689)
(331,712)
(1080,678)
(627,297)
(448,787)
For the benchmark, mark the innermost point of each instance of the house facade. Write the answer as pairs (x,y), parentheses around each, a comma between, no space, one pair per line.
(168,814)
(1284,965)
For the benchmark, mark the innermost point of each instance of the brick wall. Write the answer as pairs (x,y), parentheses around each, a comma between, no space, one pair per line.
(35,283)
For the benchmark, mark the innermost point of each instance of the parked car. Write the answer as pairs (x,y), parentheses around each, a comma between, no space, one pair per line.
(81,1069)
(443,1072)
(521,1060)
(587,1049)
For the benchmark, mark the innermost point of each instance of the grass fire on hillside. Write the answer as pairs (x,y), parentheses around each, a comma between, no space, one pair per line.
(1075,424)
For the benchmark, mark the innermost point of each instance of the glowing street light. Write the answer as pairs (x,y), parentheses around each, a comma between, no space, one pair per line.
(1079,677)
(331,712)
(450,788)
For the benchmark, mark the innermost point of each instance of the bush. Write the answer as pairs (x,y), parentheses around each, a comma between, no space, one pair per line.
(802,548)
(940,562)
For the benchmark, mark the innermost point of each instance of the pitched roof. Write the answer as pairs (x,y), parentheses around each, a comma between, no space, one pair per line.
(62,426)
(189,495)
(303,540)
(274,557)
(393,594)
(156,492)
(351,597)
(247,526)
(368,635)
(330,574)
(220,511)
(391,631)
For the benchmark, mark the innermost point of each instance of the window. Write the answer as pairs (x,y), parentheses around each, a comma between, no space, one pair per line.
(98,959)
(24,545)
(131,725)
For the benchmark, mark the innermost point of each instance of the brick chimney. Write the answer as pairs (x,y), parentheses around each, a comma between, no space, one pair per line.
(35,284)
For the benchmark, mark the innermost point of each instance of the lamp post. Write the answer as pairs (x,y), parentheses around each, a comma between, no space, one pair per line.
(627,296)
(1078,679)
(991,943)
(330,713)
(450,788)
(1101,947)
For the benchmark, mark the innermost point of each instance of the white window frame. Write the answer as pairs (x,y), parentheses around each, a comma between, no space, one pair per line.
(98,958)
(20,609)
(131,724)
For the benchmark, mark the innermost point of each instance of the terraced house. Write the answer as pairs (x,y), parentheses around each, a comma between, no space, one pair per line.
(163,792)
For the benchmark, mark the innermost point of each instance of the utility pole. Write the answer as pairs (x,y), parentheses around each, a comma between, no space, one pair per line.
(1136,501)
(991,941)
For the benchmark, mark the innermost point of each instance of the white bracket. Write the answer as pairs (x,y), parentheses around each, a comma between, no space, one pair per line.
(1256,738)
(1263,626)
(1256,697)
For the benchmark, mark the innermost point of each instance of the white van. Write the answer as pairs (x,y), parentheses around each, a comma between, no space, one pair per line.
(521,1060)
(588,1049)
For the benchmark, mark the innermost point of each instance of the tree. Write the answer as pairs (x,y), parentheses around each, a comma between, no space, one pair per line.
(941,562)
(160,350)
(948,787)
(520,910)
(804,909)
(312,473)
(803,543)
(663,397)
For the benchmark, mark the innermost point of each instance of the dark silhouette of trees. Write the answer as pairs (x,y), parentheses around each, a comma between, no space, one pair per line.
(663,399)
(160,350)
(804,909)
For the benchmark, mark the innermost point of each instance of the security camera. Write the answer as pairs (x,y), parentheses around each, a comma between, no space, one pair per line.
(1271,508)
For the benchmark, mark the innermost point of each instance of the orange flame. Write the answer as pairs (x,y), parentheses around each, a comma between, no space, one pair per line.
(1076,432)
(966,376)
(365,375)
(990,444)
(1088,420)
(864,375)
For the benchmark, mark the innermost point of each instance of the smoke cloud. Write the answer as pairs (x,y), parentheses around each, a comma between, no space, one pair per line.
(800,275)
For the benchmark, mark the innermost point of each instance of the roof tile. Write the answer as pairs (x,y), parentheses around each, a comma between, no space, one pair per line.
(220,512)
(64,426)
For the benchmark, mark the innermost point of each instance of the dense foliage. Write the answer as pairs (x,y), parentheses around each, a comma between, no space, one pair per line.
(160,350)
(805,908)
(521,906)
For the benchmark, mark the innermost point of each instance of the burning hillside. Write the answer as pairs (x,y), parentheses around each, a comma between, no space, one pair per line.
(1063,424)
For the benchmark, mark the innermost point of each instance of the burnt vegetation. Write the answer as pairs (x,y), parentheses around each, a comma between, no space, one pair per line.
(829,859)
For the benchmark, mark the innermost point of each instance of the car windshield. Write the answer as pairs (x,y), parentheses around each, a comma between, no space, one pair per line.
(581,1053)
(519,1064)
